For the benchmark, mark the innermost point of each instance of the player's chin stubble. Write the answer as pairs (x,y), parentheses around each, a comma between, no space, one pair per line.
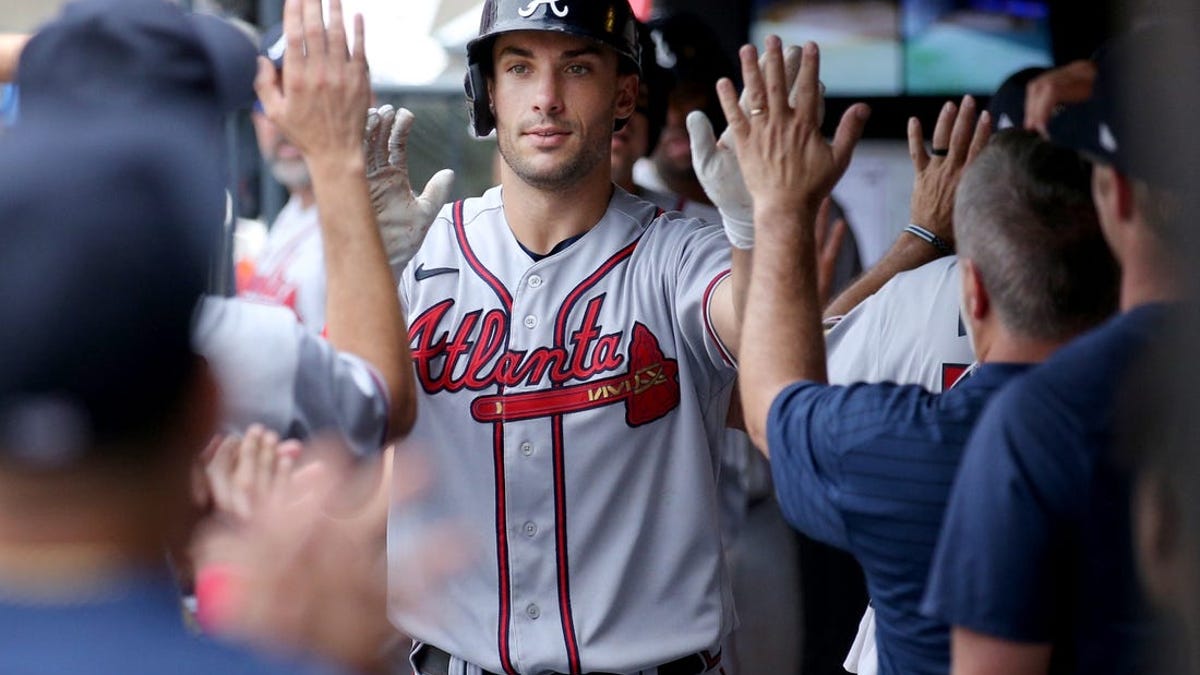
(561,176)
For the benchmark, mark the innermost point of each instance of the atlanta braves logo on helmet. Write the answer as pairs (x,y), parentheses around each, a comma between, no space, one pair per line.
(529,9)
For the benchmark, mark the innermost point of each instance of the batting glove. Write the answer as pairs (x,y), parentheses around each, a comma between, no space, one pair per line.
(403,216)
(717,169)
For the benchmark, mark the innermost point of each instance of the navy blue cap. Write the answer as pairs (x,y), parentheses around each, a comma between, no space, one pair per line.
(1007,106)
(106,244)
(124,53)
(1137,119)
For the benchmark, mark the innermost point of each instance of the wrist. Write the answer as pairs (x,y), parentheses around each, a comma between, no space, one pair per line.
(337,164)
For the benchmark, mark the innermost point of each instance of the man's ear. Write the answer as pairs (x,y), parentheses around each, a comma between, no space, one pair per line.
(627,96)
(976,301)
(1113,193)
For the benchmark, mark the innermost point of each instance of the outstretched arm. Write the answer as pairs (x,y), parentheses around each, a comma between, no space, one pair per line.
(321,104)
(716,166)
(957,139)
(789,169)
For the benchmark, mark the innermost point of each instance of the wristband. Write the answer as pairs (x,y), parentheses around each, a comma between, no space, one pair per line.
(217,591)
(935,241)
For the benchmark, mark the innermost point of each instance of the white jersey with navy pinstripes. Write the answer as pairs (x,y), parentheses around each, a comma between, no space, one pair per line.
(575,405)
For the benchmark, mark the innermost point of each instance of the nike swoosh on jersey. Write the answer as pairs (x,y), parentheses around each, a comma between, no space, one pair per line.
(421,274)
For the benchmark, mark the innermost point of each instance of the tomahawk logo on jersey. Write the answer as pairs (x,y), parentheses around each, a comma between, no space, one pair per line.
(576,404)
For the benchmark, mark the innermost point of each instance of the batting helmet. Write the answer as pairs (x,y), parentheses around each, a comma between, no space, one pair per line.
(609,22)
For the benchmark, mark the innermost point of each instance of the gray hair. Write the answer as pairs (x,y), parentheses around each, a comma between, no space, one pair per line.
(1024,215)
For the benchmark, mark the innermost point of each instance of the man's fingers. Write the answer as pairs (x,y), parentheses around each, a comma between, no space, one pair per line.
(734,116)
(293,30)
(944,125)
(336,32)
(916,145)
(266,86)
(833,242)
(267,459)
(775,79)
(314,30)
(983,132)
(808,84)
(359,55)
(849,131)
(398,139)
(792,56)
(701,136)
(755,94)
(437,190)
(822,222)
(964,126)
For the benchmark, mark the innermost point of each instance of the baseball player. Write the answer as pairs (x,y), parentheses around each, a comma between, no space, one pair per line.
(574,352)
(290,270)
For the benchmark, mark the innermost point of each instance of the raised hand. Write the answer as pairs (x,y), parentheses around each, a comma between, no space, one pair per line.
(716,166)
(403,216)
(320,98)
(1046,93)
(787,164)
(244,472)
(958,137)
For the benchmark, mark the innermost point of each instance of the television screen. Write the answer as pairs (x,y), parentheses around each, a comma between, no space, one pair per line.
(913,47)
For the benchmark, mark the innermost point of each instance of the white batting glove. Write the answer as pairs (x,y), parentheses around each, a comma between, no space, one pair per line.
(716,165)
(717,169)
(403,216)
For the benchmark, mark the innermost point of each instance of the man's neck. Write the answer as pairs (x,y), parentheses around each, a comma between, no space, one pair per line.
(540,218)
(1000,345)
(306,196)
(1146,280)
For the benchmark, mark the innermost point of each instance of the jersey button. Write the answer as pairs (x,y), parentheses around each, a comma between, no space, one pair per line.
(530,529)
(533,612)
(527,448)
(535,281)
(531,321)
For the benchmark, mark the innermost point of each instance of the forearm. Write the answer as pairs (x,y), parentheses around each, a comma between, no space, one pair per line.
(363,311)
(907,252)
(782,314)
(11,45)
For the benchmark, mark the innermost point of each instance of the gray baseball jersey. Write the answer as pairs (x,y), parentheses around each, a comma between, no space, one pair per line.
(576,404)
(290,271)
(909,332)
(273,371)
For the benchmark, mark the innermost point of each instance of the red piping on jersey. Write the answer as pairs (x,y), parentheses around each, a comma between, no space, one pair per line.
(490,279)
(460,232)
(559,460)
(708,327)
(560,545)
(502,548)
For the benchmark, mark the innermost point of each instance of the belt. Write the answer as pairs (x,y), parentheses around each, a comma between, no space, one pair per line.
(434,661)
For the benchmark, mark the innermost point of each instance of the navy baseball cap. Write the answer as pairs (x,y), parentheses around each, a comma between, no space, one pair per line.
(1007,106)
(106,245)
(1137,119)
(126,53)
